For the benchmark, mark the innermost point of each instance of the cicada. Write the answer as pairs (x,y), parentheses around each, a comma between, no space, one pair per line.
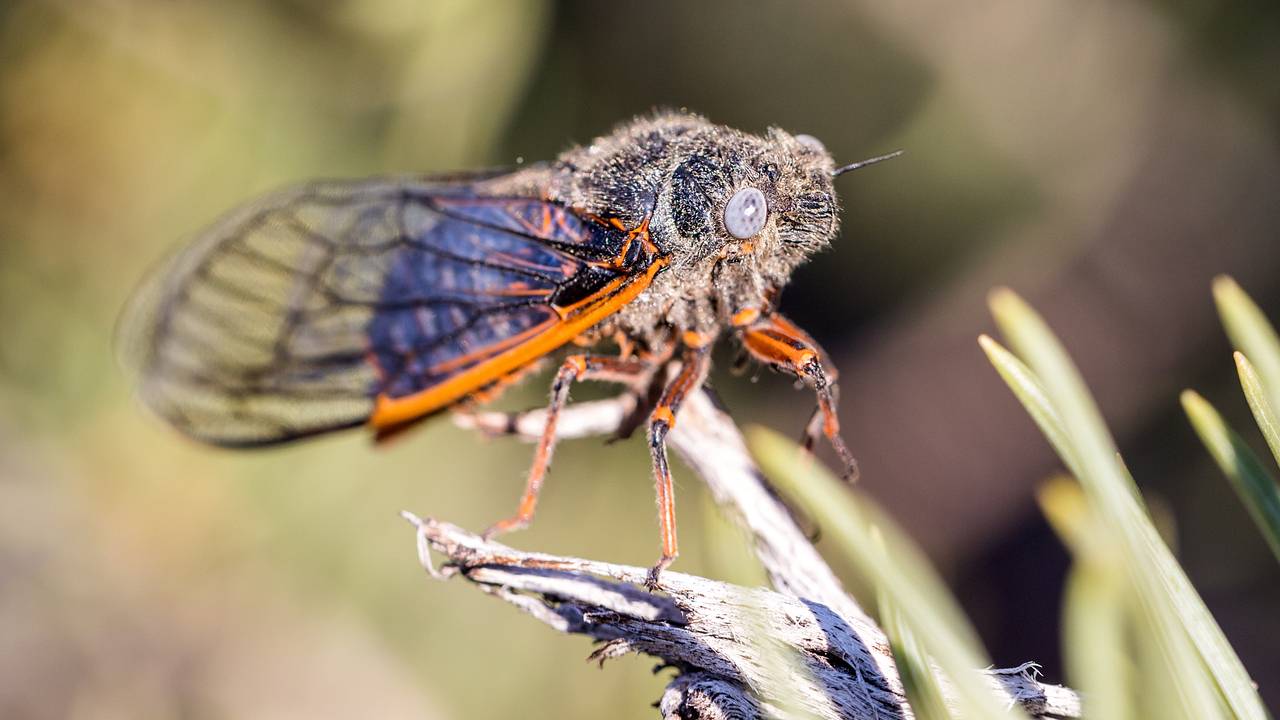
(382,302)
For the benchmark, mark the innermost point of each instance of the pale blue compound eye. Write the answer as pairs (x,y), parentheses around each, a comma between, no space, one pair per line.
(745,213)
(811,142)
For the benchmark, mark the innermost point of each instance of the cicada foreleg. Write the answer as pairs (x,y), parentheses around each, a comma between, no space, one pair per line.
(575,368)
(774,340)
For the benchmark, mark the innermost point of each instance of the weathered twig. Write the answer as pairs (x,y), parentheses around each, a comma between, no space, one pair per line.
(719,635)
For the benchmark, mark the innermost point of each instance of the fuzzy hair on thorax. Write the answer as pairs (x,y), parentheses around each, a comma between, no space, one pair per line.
(678,171)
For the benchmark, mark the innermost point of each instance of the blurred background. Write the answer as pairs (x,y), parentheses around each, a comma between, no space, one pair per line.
(1105,158)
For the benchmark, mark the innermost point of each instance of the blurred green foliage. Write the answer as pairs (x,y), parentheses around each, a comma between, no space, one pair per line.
(1252,333)
(1126,577)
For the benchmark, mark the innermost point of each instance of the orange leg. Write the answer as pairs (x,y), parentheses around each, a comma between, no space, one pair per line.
(775,340)
(696,361)
(644,387)
(575,368)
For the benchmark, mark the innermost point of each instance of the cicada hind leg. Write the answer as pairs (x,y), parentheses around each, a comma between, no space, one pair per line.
(775,340)
(576,368)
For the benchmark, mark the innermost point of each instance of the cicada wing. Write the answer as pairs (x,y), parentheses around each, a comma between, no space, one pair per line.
(302,313)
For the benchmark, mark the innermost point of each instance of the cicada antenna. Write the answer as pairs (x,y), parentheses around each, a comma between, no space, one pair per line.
(863,163)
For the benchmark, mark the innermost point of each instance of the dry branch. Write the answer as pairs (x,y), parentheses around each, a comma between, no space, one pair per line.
(723,639)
